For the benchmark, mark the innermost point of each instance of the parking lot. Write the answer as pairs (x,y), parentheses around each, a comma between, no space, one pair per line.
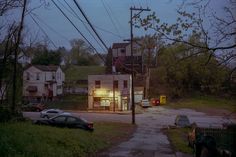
(148,140)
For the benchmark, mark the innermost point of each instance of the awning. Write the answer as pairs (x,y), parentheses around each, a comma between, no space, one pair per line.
(32,88)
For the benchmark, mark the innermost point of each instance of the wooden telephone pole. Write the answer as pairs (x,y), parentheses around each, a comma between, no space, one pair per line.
(131,47)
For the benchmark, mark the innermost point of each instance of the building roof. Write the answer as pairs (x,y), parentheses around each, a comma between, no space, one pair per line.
(45,67)
(119,45)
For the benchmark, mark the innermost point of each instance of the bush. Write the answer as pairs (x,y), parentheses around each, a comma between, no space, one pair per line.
(5,115)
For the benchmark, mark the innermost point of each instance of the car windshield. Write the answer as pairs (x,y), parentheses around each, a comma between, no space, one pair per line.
(83,119)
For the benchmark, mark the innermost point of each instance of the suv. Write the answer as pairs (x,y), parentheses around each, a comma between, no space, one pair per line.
(182,121)
(145,103)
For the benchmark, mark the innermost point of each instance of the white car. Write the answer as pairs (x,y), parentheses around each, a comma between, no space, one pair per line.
(48,113)
(145,103)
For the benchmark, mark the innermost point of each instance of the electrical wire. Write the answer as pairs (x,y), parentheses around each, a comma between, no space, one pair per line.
(49,27)
(42,30)
(86,18)
(84,22)
(110,17)
(78,30)
(77,16)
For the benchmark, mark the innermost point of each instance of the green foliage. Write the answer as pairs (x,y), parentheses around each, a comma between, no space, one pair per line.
(82,54)
(201,103)
(183,71)
(27,140)
(74,73)
(5,115)
(47,57)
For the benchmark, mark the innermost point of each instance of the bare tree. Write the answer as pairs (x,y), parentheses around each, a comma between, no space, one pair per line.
(6,5)
(217,32)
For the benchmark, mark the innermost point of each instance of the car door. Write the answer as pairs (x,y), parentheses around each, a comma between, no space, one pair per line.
(71,122)
(59,121)
(74,122)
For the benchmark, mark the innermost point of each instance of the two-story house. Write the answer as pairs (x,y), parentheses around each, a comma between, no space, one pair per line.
(122,61)
(121,58)
(43,82)
(109,92)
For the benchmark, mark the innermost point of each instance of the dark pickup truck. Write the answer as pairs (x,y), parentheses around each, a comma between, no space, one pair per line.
(213,142)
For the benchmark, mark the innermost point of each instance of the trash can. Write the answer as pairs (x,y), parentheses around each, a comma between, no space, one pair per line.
(162,99)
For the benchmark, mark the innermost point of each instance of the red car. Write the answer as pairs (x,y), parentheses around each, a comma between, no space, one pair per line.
(155,101)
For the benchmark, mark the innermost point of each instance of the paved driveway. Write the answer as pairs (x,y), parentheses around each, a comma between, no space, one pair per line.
(148,140)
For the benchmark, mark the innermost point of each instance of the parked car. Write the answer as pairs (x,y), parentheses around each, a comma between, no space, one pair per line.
(66,120)
(49,113)
(145,103)
(182,121)
(155,101)
(33,106)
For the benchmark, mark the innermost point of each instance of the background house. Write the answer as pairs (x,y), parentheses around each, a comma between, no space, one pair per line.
(122,61)
(24,59)
(43,82)
(109,92)
(121,58)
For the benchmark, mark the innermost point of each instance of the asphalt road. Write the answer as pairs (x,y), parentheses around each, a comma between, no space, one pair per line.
(148,140)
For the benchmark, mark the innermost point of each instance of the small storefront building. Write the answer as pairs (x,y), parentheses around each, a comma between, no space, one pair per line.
(109,92)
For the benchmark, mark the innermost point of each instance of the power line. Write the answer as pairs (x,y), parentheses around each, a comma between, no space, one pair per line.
(86,18)
(109,15)
(77,16)
(84,22)
(78,30)
(51,28)
(42,30)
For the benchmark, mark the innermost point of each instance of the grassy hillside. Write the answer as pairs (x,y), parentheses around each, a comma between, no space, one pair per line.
(24,139)
(202,103)
(74,72)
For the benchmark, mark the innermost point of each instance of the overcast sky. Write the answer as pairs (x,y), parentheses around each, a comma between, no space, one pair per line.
(60,31)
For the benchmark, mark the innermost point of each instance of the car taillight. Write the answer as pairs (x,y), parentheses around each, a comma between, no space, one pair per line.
(90,125)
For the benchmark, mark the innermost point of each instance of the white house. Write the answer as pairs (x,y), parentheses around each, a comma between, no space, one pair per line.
(24,59)
(104,90)
(43,82)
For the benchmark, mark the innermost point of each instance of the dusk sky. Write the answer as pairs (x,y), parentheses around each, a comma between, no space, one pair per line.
(60,31)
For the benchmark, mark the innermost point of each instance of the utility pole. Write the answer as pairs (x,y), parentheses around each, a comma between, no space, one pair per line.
(114,99)
(132,55)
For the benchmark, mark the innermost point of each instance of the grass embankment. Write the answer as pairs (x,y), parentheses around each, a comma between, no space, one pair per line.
(202,103)
(70,102)
(74,73)
(27,140)
(178,139)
